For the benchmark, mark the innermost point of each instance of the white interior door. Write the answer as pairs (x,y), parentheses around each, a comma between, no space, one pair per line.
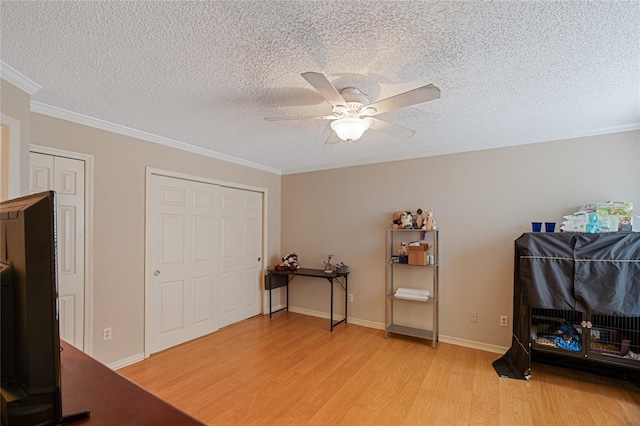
(66,177)
(241,216)
(183,264)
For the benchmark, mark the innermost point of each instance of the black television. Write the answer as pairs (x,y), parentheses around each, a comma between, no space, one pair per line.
(30,351)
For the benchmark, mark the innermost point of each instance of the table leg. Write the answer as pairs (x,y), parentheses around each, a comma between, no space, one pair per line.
(270,312)
(331,316)
(346,297)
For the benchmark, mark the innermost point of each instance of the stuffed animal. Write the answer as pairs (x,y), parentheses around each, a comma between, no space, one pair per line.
(419,219)
(403,248)
(289,262)
(396,223)
(407,221)
(429,222)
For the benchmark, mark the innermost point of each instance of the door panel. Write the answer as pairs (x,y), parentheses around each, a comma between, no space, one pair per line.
(203,247)
(229,293)
(250,295)
(40,173)
(172,306)
(66,306)
(66,241)
(172,234)
(202,293)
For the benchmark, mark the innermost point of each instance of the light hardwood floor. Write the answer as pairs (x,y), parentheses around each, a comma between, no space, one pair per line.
(291,370)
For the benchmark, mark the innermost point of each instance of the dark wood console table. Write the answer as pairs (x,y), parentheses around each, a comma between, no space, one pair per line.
(111,398)
(277,279)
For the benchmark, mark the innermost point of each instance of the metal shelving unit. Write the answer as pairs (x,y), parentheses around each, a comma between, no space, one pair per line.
(430,282)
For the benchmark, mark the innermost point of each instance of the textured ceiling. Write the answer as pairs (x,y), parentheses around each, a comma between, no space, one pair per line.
(206,73)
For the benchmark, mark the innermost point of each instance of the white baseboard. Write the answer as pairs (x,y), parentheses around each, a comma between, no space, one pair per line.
(473,344)
(336,317)
(313,313)
(366,323)
(126,361)
(275,308)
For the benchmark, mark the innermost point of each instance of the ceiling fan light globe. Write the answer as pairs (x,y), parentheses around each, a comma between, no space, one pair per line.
(350,129)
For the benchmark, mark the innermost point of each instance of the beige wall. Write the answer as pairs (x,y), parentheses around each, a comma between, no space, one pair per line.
(17,104)
(119,219)
(482,202)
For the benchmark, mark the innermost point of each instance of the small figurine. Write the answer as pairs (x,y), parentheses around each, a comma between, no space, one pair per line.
(328,266)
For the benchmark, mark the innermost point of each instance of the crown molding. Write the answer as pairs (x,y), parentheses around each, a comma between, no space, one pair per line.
(97,123)
(457,150)
(597,132)
(22,82)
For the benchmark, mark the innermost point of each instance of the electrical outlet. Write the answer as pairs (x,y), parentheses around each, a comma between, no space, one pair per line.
(106,333)
(350,297)
(504,321)
(473,316)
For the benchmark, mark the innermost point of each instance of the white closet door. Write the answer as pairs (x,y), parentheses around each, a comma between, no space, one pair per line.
(66,177)
(241,215)
(183,265)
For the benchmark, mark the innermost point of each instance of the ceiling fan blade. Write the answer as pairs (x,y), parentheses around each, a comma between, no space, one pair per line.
(333,138)
(324,88)
(302,117)
(390,129)
(412,97)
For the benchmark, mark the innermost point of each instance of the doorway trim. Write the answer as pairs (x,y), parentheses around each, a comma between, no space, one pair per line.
(88,234)
(177,175)
(14,154)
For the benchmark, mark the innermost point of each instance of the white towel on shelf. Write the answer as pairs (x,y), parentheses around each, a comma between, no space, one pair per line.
(410,296)
(412,293)
(416,291)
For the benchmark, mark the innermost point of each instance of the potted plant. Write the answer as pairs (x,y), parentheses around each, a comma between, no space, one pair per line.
(328,266)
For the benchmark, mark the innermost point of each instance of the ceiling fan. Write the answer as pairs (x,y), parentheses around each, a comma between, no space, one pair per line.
(352,114)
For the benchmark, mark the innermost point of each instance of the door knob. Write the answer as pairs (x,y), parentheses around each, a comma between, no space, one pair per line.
(156,273)
(259,259)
